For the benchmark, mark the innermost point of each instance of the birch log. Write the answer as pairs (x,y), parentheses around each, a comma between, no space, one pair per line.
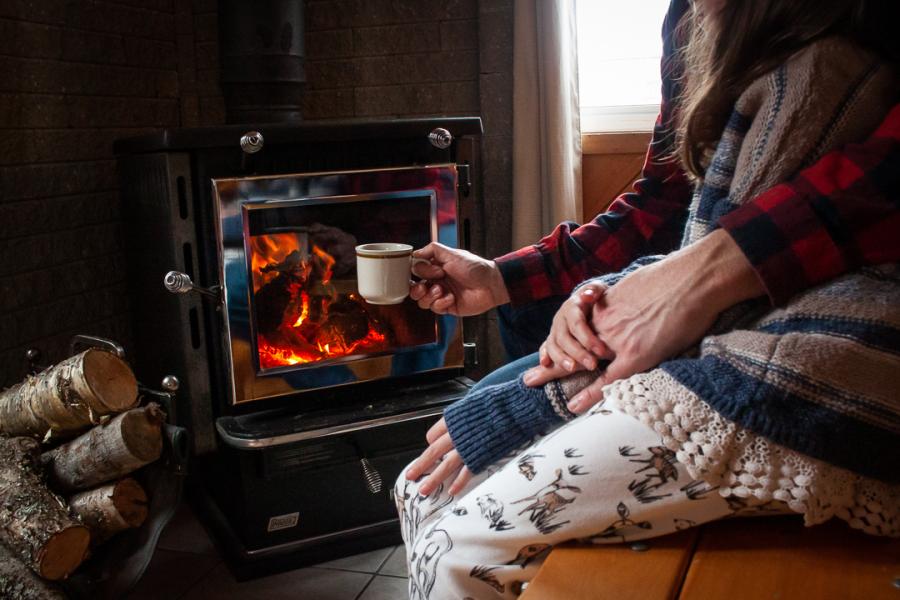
(126,443)
(68,397)
(34,522)
(111,508)
(18,582)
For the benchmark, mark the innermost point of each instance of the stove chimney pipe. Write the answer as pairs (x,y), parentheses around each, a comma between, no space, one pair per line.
(263,72)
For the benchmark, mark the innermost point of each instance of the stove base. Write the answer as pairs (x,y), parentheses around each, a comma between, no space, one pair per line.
(246,564)
(290,500)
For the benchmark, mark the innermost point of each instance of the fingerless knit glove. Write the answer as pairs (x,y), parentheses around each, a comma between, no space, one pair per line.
(492,421)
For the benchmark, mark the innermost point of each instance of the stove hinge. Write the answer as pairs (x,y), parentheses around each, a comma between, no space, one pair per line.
(464,180)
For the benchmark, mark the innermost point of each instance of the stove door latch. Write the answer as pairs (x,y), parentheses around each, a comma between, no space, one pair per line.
(464,182)
(181,283)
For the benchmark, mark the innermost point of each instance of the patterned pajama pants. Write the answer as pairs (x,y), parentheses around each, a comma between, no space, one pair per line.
(604,477)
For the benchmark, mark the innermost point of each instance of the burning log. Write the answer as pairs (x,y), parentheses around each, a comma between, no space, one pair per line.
(272,300)
(34,522)
(129,441)
(68,397)
(111,508)
(18,582)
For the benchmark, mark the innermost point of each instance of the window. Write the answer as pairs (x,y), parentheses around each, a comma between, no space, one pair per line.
(619,48)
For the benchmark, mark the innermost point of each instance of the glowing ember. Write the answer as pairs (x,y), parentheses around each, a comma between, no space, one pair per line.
(301,316)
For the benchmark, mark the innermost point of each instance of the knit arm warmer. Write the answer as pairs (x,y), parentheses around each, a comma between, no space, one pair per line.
(489,423)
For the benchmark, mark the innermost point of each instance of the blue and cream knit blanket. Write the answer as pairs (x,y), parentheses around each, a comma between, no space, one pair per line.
(820,375)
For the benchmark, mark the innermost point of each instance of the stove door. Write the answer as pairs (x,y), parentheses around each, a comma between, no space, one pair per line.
(295,320)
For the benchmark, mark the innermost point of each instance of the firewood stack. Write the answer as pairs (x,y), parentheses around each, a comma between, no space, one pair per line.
(69,437)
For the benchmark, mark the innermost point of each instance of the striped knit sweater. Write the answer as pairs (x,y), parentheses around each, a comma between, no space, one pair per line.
(800,403)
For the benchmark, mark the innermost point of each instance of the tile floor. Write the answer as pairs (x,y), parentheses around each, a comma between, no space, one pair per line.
(187,566)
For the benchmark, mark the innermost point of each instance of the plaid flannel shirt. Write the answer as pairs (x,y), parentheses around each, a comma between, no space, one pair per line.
(833,217)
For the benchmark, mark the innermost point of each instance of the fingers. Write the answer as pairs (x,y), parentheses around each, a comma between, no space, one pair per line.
(429,456)
(434,252)
(436,430)
(427,271)
(565,351)
(587,397)
(464,477)
(574,351)
(577,320)
(540,375)
(418,290)
(620,368)
(433,293)
(444,304)
(545,359)
(448,467)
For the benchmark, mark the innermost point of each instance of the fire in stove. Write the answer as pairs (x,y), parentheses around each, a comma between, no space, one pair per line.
(304,314)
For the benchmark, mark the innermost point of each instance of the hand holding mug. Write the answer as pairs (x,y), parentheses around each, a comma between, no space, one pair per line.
(383,272)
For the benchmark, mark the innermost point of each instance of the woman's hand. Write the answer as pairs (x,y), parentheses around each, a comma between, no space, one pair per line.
(439,445)
(663,308)
(572,344)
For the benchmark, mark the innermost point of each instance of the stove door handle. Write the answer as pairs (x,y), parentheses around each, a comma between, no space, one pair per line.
(181,283)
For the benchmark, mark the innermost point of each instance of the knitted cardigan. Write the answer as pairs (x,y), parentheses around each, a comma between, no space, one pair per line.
(800,403)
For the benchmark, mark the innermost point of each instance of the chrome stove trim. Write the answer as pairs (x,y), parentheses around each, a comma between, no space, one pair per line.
(288,438)
(230,195)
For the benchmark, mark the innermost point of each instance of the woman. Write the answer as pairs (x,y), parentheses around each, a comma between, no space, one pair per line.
(792,410)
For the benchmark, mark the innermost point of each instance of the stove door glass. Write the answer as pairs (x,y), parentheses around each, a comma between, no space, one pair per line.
(302,262)
(293,320)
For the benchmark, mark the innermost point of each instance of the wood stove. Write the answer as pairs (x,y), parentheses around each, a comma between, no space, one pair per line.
(303,400)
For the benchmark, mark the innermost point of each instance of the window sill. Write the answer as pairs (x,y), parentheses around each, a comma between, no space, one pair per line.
(619,119)
(615,143)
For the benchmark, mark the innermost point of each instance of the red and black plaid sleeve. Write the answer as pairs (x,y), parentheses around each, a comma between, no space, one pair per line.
(649,220)
(835,216)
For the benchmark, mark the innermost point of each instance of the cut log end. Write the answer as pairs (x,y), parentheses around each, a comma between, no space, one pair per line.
(130,501)
(111,380)
(141,431)
(18,582)
(62,554)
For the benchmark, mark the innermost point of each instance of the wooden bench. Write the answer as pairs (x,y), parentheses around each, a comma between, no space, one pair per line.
(738,559)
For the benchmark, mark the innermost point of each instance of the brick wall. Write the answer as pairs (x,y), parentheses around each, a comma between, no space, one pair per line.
(76,76)
(376,58)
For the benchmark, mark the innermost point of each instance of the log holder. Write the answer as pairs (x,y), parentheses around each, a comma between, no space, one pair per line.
(118,565)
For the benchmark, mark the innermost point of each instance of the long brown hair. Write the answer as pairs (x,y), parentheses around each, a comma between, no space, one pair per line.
(748,38)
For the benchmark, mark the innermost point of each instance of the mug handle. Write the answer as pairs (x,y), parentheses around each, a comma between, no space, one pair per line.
(413,261)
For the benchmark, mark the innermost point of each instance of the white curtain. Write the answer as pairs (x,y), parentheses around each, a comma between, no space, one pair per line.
(546,123)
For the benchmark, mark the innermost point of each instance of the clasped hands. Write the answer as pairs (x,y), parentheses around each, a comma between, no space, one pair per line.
(650,315)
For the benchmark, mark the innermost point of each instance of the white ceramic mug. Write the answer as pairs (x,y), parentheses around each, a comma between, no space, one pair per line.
(383,271)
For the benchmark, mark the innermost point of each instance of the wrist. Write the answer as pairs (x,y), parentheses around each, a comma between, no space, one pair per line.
(724,273)
(497,285)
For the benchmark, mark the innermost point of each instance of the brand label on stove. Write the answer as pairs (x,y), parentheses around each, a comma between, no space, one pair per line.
(283,521)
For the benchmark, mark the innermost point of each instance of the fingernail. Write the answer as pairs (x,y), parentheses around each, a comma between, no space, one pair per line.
(573,405)
(588,364)
(568,364)
(436,292)
(528,377)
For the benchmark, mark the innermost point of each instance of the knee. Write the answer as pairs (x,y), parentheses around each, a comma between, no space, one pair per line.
(437,566)
(403,490)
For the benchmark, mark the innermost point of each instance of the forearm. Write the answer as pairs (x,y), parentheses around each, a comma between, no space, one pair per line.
(723,276)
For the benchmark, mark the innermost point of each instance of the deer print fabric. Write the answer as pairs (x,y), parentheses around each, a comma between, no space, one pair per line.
(604,477)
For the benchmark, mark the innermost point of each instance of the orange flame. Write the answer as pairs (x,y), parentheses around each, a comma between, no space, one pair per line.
(304,311)
(306,334)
